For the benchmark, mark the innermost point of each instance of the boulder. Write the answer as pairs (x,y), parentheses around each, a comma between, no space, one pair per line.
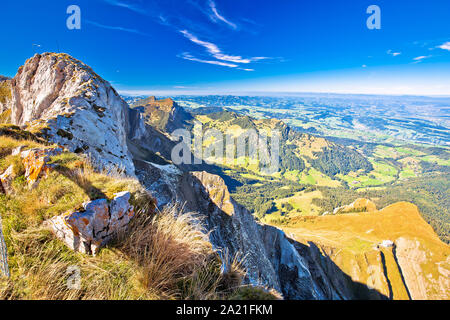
(35,162)
(89,229)
(16,151)
(6,180)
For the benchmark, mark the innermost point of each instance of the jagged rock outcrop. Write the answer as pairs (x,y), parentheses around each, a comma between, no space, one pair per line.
(89,229)
(389,253)
(6,180)
(366,280)
(77,109)
(424,283)
(165,114)
(36,164)
(270,259)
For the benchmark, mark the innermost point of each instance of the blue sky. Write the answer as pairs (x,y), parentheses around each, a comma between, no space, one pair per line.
(233,46)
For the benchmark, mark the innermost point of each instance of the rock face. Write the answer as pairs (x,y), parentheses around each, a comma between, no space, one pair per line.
(74,107)
(423,282)
(6,180)
(88,230)
(391,253)
(366,280)
(36,163)
(78,110)
(270,258)
(165,115)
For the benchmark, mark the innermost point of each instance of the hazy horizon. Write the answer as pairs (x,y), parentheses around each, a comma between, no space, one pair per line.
(213,46)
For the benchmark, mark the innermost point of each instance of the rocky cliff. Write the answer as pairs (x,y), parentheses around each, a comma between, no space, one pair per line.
(270,259)
(66,102)
(72,106)
(165,115)
(388,253)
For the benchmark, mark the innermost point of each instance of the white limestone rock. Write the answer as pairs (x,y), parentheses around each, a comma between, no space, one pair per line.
(6,180)
(74,106)
(87,230)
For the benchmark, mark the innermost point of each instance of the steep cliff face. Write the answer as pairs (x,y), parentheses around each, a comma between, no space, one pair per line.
(391,253)
(388,253)
(165,114)
(270,258)
(73,107)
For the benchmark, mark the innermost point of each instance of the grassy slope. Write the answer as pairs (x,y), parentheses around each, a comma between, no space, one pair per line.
(351,239)
(160,256)
(5,91)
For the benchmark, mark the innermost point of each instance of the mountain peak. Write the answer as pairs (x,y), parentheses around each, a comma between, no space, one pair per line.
(164,114)
(65,100)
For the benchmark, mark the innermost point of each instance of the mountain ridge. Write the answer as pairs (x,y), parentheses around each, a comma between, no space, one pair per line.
(73,98)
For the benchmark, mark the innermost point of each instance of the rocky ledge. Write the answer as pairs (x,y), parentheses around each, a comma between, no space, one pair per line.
(89,229)
(65,100)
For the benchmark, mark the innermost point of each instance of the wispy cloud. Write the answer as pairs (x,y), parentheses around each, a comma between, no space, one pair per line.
(421,58)
(163,14)
(216,16)
(394,54)
(215,51)
(127,5)
(115,28)
(445,46)
(188,56)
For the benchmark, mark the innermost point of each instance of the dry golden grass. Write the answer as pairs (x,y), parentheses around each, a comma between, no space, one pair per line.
(167,248)
(162,255)
(350,241)
(5,116)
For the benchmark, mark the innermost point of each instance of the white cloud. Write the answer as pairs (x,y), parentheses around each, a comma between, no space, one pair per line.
(188,56)
(215,51)
(124,4)
(211,47)
(420,58)
(445,46)
(215,16)
(394,54)
(115,28)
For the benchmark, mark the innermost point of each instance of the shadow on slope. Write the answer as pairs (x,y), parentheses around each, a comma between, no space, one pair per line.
(333,281)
